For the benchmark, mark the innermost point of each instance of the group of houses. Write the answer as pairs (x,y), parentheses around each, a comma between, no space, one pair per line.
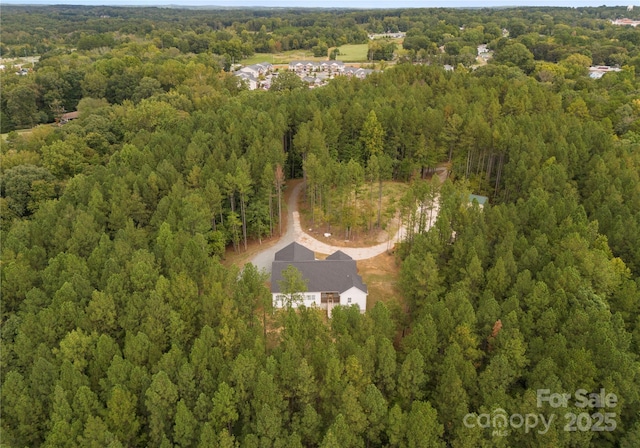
(626,22)
(313,73)
(256,76)
(387,35)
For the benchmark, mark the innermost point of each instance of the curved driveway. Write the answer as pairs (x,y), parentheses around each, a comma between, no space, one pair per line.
(263,259)
(295,233)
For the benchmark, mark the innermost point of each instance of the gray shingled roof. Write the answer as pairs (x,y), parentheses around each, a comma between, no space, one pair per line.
(295,252)
(337,273)
(339,255)
(321,275)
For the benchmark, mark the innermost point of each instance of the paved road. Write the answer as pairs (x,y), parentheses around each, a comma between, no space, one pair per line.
(295,233)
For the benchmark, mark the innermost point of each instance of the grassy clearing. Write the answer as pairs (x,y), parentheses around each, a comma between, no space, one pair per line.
(19,131)
(282,58)
(381,274)
(348,53)
(354,53)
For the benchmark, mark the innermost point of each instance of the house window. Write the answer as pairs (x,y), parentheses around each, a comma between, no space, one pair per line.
(349,300)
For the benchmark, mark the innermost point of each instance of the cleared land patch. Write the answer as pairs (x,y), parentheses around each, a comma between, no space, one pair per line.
(353,53)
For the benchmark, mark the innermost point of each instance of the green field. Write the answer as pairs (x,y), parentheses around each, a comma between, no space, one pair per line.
(19,131)
(348,53)
(353,53)
(281,58)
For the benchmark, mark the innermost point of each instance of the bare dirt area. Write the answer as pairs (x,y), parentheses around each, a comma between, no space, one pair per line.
(381,274)
(240,258)
(364,239)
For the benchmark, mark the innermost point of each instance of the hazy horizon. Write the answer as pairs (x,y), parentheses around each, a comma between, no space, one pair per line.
(373,4)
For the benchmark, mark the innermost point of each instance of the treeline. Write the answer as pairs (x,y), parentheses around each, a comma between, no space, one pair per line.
(548,35)
(232,33)
(129,53)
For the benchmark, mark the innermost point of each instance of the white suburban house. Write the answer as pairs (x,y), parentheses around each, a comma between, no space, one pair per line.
(256,76)
(330,282)
(303,67)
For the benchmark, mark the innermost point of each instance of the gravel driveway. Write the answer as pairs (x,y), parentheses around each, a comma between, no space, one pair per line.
(295,233)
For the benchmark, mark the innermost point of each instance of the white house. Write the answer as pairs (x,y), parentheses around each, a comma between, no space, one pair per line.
(250,80)
(257,69)
(255,76)
(330,282)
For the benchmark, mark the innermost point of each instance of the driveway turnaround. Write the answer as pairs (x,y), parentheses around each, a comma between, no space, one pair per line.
(295,233)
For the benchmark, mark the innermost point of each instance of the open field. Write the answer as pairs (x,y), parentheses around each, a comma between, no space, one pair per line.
(381,275)
(282,58)
(353,53)
(19,62)
(348,53)
(19,131)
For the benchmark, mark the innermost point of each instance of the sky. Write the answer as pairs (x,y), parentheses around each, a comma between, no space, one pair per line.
(333,3)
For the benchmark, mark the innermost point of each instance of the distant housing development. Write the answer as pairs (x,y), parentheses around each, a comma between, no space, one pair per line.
(314,73)
(626,22)
(257,76)
(388,35)
(330,282)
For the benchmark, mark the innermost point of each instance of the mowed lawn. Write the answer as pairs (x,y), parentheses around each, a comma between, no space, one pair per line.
(353,53)
(282,58)
(19,131)
(348,53)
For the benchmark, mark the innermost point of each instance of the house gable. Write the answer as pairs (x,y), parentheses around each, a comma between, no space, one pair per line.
(354,296)
(339,255)
(295,252)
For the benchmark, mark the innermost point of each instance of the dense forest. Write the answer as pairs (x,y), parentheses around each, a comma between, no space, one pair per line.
(122,327)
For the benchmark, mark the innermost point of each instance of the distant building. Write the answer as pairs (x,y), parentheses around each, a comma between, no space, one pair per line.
(481,200)
(388,35)
(600,70)
(330,282)
(257,69)
(256,76)
(626,22)
(313,73)
(66,118)
(357,72)
(305,67)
